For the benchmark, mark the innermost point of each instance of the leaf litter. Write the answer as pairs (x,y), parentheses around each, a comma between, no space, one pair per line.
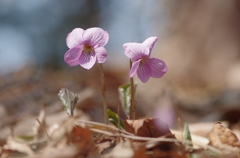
(77,136)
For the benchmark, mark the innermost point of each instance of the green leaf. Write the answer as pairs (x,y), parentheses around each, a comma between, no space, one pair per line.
(187,135)
(26,137)
(69,100)
(125,97)
(113,118)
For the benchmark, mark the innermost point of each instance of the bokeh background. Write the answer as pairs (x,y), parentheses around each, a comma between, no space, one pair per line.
(198,40)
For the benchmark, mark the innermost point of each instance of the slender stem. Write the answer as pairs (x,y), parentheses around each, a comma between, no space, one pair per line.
(103,90)
(118,111)
(133,105)
(43,128)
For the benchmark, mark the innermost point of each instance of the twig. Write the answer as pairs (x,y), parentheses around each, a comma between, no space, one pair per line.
(103,125)
(43,128)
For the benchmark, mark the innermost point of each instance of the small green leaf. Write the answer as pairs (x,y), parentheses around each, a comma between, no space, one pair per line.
(69,100)
(187,135)
(113,118)
(125,97)
(26,137)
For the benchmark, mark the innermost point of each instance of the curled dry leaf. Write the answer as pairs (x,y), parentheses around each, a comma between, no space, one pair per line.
(223,135)
(147,127)
(225,140)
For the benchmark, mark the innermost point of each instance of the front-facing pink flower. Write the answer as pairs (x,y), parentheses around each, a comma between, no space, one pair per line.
(86,47)
(142,64)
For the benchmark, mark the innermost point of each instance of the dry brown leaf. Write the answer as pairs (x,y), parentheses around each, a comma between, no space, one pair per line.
(140,152)
(225,140)
(223,135)
(147,127)
(82,138)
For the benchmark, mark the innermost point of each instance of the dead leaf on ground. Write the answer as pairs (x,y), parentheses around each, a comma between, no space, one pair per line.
(224,139)
(147,127)
(223,135)
(82,138)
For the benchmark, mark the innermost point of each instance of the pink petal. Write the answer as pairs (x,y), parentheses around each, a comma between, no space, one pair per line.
(101,54)
(135,51)
(87,60)
(72,56)
(75,37)
(158,67)
(96,37)
(144,72)
(150,42)
(134,68)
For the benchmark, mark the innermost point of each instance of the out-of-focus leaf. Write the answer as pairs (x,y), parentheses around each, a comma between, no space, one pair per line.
(225,140)
(17,146)
(113,118)
(187,135)
(221,135)
(69,100)
(26,137)
(147,127)
(125,97)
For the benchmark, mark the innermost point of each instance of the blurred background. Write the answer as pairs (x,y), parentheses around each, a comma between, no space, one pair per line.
(198,40)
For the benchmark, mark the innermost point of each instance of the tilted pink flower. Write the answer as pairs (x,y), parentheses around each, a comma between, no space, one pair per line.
(86,47)
(142,64)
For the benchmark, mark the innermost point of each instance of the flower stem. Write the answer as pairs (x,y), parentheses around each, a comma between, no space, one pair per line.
(103,90)
(133,105)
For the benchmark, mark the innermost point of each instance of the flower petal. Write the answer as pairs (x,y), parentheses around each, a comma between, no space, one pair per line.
(134,68)
(87,60)
(144,72)
(72,56)
(135,51)
(75,37)
(150,42)
(158,67)
(96,37)
(101,54)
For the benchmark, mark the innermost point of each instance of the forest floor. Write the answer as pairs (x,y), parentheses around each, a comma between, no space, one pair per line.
(34,124)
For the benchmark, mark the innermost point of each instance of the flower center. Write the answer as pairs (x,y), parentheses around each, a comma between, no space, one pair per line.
(88,48)
(143,60)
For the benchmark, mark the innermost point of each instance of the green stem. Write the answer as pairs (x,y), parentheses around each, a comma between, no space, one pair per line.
(133,105)
(103,90)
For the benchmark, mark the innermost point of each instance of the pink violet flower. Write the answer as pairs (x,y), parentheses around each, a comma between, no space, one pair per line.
(142,64)
(86,47)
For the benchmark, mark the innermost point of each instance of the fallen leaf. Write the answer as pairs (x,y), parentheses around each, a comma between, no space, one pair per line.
(146,127)
(223,135)
(140,152)
(225,140)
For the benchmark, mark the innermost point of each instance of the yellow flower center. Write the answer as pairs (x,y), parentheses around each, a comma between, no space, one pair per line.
(88,48)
